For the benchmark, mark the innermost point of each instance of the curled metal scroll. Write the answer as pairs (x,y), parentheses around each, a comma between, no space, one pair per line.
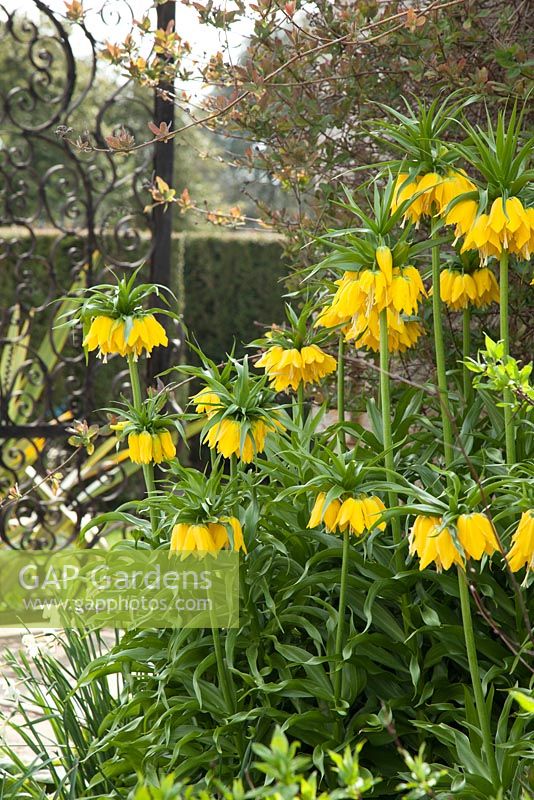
(58,207)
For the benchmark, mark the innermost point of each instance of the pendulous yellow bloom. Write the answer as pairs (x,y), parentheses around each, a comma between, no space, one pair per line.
(521,553)
(508,226)
(460,290)
(219,533)
(384,259)
(326,515)
(361,296)
(476,534)
(437,191)
(145,447)
(144,442)
(207,402)
(368,290)
(291,367)
(406,290)
(209,537)
(361,514)
(406,189)
(108,335)
(463,216)
(453,184)
(188,538)
(225,437)
(357,514)
(432,542)
(365,332)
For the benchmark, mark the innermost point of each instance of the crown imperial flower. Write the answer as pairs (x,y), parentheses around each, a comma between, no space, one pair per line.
(460,290)
(433,542)
(476,534)
(111,335)
(210,537)
(356,514)
(361,296)
(145,447)
(509,226)
(291,367)
(521,553)
(384,259)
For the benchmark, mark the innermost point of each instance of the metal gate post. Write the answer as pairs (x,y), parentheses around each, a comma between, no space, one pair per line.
(160,264)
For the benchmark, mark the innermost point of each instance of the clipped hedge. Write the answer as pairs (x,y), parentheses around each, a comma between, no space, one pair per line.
(232,283)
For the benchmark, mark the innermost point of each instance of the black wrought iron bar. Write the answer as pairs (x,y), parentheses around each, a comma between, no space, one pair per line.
(160,264)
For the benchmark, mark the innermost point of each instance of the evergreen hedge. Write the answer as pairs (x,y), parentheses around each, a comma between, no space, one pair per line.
(231,284)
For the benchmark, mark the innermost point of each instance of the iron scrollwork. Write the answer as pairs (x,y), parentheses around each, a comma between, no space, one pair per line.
(63,214)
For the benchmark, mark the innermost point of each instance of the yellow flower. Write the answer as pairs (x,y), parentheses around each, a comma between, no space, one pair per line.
(476,534)
(291,367)
(108,335)
(359,292)
(384,259)
(145,447)
(432,542)
(506,217)
(167,445)
(99,335)
(329,317)
(463,216)
(370,290)
(406,290)
(118,426)
(146,333)
(459,290)
(133,447)
(508,226)
(219,534)
(522,242)
(365,332)
(225,436)
(405,188)
(437,192)
(157,452)
(362,295)
(327,515)
(454,184)
(188,538)
(360,514)
(144,440)
(207,402)
(522,551)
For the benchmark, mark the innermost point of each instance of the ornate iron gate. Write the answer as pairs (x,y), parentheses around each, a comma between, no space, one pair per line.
(64,213)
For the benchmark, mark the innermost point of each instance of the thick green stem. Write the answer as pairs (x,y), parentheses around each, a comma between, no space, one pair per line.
(300,401)
(466,352)
(338,668)
(385,405)
(135,383)
(482,711)
(341,391)
(225,681)
(440,357)
(389,463)
(505,338)
(148,469)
